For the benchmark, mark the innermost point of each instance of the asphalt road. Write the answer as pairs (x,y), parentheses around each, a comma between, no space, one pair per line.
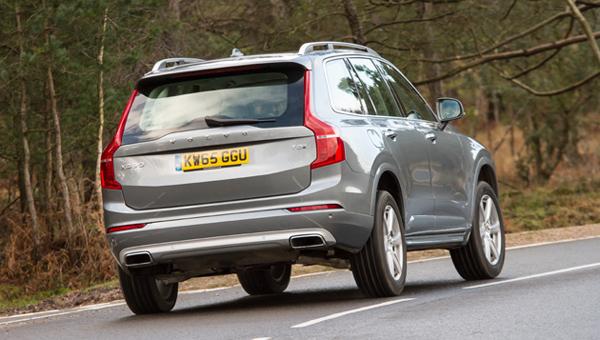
(545,291)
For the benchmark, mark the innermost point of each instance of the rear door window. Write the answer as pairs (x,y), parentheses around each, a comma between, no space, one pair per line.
(414,106)
(384,103)
(173,105)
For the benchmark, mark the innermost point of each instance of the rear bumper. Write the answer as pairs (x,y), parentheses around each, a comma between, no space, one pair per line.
(235,239)
(146,255)
(223,234)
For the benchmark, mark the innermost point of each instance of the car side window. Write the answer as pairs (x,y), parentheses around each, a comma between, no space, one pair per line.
(342,88)
(414,106)
(378,91)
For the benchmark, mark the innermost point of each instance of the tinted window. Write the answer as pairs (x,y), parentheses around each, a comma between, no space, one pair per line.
(342,89)
(379,93)
(182,104)
(414,106)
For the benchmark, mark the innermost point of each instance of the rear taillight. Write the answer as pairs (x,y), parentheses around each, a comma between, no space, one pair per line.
(330,147)
(107,166)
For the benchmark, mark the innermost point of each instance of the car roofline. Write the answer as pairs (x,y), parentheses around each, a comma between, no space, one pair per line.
(304,57)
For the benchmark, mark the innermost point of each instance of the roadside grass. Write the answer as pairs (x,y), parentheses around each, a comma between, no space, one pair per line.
(13,297)
(562,205)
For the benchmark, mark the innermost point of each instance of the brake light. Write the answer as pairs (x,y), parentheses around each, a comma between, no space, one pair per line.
(315,207)
(107,167)
(330,146)
(125,227)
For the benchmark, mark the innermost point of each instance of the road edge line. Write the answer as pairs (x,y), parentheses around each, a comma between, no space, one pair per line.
(350,311)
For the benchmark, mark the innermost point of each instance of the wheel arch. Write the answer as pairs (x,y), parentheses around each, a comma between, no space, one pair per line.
(484,170)
(386,178)
(487,174)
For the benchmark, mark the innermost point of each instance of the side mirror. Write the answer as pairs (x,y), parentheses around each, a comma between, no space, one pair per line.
(449,109)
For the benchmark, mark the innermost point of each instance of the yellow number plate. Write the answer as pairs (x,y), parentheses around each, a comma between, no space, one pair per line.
(215,159)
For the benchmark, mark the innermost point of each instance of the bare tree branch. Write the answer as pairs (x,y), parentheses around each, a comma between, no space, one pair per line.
(546,59)
(408,21)
(485,58)
(586,28)
(508,40)
(510,8)
(588,3)
(551,92)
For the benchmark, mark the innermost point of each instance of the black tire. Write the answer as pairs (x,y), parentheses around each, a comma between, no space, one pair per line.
(272,279)
(470,260)
(145,295)
(370,266)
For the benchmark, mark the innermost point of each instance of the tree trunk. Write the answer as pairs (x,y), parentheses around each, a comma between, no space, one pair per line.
(21,177)
(431,70)
(23,132)
(97,184)
(49,162)
(171,36)
(355,27)
(60,172)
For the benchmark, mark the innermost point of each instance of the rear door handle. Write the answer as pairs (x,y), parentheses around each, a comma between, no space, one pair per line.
(391,134)
(431,136)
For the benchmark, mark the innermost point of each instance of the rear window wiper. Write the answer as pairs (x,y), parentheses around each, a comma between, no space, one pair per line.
(213,121)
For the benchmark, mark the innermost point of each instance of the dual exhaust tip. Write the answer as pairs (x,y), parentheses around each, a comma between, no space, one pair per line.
(298,242)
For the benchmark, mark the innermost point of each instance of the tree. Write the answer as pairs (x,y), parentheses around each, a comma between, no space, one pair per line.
(25,163)
(58,153)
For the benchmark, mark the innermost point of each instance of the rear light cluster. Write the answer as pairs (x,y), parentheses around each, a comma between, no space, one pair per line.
(107,166)
(330,147)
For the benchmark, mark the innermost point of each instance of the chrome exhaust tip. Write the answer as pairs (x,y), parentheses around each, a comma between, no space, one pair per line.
(307,241)
(138,259)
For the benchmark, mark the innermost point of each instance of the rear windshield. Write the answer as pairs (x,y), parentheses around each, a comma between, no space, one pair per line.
(273,94)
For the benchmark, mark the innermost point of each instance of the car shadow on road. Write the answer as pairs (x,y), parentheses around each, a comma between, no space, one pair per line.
(345,297)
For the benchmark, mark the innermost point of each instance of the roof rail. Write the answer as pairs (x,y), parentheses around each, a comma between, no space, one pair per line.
(172,62)
(331,46)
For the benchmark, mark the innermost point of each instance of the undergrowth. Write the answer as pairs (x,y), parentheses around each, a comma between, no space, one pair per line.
(567,204)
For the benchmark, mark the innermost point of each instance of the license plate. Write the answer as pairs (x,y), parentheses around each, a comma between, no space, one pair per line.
(214,159)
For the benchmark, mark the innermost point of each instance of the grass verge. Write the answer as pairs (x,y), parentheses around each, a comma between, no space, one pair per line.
(567,204)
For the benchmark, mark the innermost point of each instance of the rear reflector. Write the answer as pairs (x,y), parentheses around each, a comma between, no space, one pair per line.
(315,207)
(125,227)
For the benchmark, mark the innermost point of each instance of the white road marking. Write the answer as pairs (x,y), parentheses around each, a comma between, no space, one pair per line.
(351,311)
(534,276)
(28,314)
(206,290)
(265,338)
(36,318)
(531,245)
(553,242)
(47,314)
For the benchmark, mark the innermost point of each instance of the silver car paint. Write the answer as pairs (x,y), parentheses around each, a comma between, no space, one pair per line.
(437,182)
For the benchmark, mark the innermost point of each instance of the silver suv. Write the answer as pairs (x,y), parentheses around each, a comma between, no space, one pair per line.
(249,164)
